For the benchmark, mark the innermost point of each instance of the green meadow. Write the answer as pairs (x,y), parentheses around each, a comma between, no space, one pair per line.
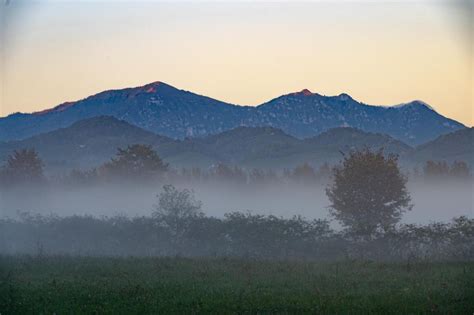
(101,285)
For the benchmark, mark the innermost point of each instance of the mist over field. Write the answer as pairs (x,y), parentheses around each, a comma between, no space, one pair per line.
(438,200)
(299,158)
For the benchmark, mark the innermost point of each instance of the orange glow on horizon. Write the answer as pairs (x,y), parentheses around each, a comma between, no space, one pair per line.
(240,53)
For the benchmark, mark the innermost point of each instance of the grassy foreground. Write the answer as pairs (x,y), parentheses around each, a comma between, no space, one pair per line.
(67,285)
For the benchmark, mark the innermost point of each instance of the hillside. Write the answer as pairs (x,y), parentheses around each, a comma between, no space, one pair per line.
(91,142)
(458,145)
(84,144)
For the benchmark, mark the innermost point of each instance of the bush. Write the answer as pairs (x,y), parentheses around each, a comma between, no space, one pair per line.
(235,235)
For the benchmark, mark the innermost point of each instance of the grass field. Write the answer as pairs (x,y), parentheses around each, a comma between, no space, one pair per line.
(67,285)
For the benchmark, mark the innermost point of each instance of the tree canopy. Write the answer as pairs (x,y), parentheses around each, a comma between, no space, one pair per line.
(137,161)
(368,193)
(23,167)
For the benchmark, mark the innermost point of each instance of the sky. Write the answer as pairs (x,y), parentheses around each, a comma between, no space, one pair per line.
(246,53)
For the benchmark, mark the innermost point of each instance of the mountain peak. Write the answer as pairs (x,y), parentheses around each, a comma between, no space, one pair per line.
(416,103)
(305,92)
(167,110)
(419,102)
(152,87)
(344,97)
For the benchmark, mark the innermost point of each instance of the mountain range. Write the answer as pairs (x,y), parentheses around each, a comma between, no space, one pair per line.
(90,142)
(165,110)
(455,146)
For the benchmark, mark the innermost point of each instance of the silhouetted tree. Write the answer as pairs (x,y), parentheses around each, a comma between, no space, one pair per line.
(324,171)
(436,169)
(23,167)
(304,173)
(194,173)
(460,169)
(231,174)
(368,193)
(259,176)
(461,234)
(176,210)
(137,161)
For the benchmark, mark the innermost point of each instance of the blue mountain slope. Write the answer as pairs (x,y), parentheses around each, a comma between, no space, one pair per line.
(455,146)
(165,110)
(306,114)
(91,142)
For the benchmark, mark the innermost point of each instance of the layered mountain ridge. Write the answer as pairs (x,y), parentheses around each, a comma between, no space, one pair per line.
(90,142)
(168,111)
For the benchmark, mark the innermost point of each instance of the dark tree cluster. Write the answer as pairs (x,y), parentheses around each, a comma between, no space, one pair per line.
(301,174)
(368,193)
(137,161)
(235,235)
(141,163)
(23,167)
(441,169)
(222,173)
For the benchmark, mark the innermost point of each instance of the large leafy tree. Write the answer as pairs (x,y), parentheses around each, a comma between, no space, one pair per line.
(176,210)
(137,161)
(23,167)
(368,193)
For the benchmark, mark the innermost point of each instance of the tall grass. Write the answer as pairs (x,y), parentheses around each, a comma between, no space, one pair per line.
(65,285)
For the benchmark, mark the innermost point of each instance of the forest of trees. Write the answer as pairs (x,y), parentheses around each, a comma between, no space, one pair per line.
(189,233)
(141,163)
(367,192)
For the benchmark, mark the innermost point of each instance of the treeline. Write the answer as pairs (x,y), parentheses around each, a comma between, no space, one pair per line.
(367,193)
(304,174)
(141,163)
(440,169)
(234,235)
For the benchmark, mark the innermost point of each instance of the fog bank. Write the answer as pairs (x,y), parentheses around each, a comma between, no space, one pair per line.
(433,201)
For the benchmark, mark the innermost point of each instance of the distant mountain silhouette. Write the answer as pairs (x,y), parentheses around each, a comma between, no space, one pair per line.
(165,110)
(91,142)
(346,139)
(458,145)
(84,144)
(245,144)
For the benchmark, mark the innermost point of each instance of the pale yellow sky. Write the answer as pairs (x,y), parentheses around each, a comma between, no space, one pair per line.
(242,52)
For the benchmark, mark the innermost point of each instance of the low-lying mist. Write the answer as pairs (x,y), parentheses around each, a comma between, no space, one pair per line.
(435,200)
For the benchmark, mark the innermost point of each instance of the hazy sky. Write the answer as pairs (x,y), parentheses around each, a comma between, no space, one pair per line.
(241,52)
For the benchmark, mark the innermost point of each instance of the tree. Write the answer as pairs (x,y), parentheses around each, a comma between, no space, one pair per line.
(259,176)
(368,193)
(176,210)
(459,169)
(304,173)
(324,171)
(230,174)
(137,161)
(23,167)
(436,169)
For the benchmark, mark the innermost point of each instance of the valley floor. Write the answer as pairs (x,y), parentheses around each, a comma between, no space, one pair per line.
(88,285)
